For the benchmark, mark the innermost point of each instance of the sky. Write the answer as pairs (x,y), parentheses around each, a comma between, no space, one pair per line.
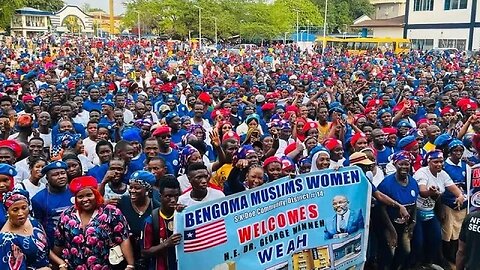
(103,4)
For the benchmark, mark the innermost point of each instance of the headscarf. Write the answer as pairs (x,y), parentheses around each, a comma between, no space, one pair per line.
(318,150)
(251,117)
(143,178)
(455,143)
(244,151)
(196,126)
(185,154)
(434,154)
(14,196)
(402,155)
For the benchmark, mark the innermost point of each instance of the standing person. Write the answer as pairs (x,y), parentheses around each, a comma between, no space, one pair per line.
(170,155)
(199,178)
(160,245)
(50,202)
(35,150)
(452,216)
(91,141)
(34,183)
(74,166)
(23,240)
(136,206)
(113,187)
(432,181)
(468,244)
(401,187)
(89,229)
(7,172)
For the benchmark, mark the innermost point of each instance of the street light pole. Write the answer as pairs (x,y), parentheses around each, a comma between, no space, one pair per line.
(138,26)
(297,25)
(324,27)
(199,26)
(216,37)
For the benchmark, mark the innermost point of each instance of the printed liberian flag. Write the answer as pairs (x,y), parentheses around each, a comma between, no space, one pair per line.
(206,236)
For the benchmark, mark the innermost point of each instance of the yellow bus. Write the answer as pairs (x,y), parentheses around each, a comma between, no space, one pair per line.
(361,45)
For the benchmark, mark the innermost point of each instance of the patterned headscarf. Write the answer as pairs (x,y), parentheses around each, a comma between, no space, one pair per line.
(186,153)
(244,151)
(402,155)
(14,196)
(143,178)
(195,126)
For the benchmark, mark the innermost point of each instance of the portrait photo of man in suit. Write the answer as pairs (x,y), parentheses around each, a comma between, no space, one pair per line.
(345,221)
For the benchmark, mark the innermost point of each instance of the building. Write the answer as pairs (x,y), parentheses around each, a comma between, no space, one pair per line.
(28,22)
(101,23)
(443,24)
(312,259)
(387,20)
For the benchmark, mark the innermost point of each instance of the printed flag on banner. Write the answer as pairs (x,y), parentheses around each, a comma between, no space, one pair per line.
(288,224)
(206,236)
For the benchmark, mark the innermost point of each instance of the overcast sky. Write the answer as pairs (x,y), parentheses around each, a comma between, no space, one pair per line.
(103,4)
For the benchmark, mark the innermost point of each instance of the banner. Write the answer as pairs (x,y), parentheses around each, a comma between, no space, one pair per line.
(473,186)
(314,221)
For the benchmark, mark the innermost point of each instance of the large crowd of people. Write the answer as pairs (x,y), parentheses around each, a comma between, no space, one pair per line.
(102,140)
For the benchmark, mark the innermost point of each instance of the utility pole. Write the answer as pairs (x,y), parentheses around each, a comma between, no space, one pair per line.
(325,27)
(216,30)
(199,26)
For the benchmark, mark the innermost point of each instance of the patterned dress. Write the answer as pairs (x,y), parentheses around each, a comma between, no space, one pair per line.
(87,248)
(20,252)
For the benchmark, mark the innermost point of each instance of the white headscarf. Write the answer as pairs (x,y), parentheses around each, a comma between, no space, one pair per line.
(314,160)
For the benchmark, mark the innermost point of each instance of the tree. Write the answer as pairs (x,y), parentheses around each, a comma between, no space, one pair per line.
(47,5)
(341,13)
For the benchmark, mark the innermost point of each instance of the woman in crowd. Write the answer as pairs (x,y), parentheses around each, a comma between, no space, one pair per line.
(402,188)
(237,180)
(34,184)
(136,207)
(87,230)
(320,159)
(23,243)
(7,172)
(432,181)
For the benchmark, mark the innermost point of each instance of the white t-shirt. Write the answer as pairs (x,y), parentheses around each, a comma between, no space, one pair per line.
(212,194)
(184,183)
(30,187)
(426,178)
(90,146)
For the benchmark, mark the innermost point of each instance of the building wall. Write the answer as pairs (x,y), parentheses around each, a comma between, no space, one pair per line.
(445,27)
(389,10)
(393,32)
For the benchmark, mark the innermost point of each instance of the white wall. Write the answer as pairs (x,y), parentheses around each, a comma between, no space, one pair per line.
(476,39)
(438,14)
(393,32)
(437,34)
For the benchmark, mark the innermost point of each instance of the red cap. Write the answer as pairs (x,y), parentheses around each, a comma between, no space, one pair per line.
(375,103)
(331,143)
(309,125)
(446,110)
(12,145)
(356,137)
(231,135)
(389,130)
(161,130)
(27,98)
(205,98)
(271,160)
(268,106)
(370,109)
(82,182)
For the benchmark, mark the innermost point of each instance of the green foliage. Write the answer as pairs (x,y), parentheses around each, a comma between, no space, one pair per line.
(7,9)
(47,5)
(252,20)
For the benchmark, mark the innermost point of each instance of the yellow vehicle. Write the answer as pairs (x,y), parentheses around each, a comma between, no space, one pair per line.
(361,45)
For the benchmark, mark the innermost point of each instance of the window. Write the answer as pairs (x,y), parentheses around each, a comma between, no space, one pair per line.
(423,5)
(455,4)
(460,44)
(422,44)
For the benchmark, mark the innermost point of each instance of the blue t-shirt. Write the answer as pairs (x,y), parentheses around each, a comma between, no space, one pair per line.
(89,105)
(405,195)
(171,161)
(47,208)
(177,136)
(458,175)
(383,155)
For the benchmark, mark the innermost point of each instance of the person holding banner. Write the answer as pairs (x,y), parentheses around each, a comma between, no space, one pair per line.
(158,239)
(402,188)
(432,181)
(320,159)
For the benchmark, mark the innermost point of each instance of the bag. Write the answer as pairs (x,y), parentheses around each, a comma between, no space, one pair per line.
(156,226)
(115,256)
(425,215)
